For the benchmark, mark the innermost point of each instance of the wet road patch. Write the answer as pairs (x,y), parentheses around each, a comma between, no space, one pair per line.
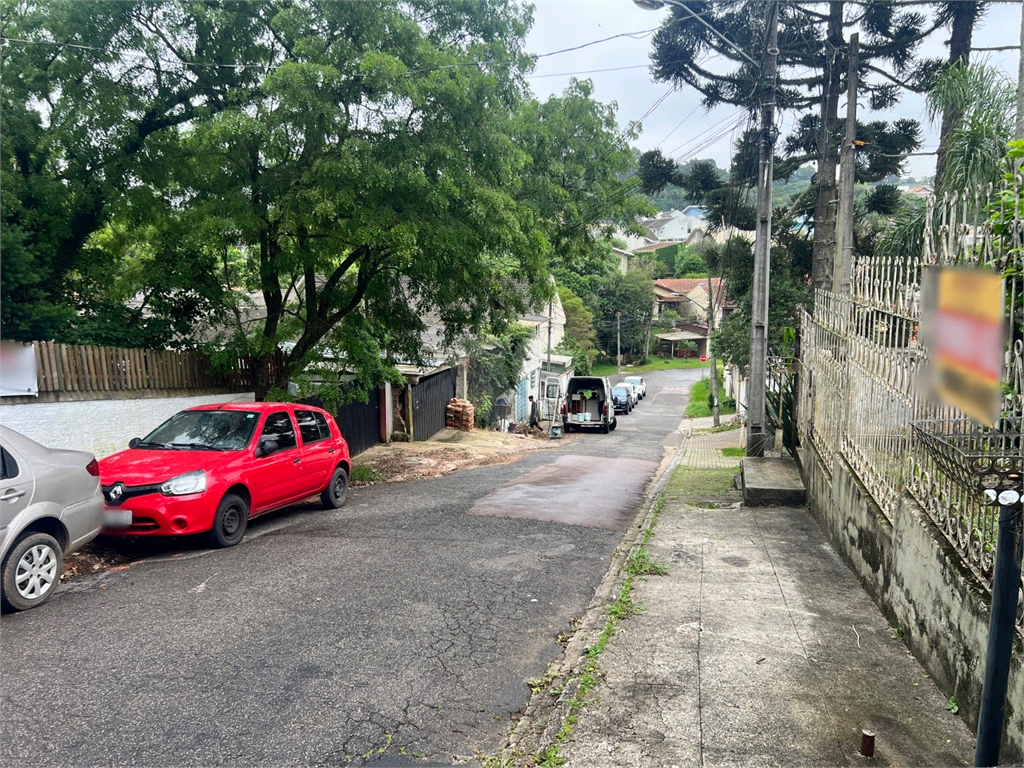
(576,490)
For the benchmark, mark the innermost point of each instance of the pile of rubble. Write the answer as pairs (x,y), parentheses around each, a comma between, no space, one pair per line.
(459,415)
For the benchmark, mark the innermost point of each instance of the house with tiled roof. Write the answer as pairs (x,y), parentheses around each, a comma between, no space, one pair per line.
(688,297)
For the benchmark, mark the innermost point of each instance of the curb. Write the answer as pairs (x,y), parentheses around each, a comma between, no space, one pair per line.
(542,719)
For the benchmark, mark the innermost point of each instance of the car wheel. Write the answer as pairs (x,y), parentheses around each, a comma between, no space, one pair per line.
(335,495)
(31,571)
(230,521)
(614,424)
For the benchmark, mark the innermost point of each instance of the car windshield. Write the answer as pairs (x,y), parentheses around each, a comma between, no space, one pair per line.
(620,391)
(204,431)
(633,380)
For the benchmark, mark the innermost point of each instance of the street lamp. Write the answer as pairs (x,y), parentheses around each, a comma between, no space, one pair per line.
(657,5)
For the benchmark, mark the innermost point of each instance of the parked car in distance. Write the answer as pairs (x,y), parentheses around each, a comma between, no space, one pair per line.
(51,505)
(622,397)
(213,467)
(639,383)
(633,392)
(588,404)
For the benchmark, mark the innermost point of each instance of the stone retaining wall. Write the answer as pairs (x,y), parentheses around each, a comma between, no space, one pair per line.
(921,585)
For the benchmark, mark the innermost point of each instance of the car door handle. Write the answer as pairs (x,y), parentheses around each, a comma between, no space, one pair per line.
(11,495)
(296,461)
(331,451)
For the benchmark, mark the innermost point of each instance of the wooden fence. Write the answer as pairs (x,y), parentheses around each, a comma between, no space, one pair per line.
(75,368)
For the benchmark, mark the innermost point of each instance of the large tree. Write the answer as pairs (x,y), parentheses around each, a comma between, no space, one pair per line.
(812,62)
(374,163)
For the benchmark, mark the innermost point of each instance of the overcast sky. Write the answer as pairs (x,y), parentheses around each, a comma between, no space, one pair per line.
(679,125)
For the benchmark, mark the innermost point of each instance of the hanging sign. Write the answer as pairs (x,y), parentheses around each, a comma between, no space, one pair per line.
(963,327)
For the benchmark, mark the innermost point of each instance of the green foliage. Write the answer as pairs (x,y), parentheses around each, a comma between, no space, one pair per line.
(495,367)
(983,101)
(689,263)
(373,164)
(626,303)
(640,563)
(700,400)
(364,473)
(884,199)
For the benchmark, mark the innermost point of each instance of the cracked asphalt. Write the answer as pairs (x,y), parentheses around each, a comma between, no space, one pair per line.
(397,630)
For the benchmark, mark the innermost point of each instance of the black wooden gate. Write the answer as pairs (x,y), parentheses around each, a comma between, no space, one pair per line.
(359,421)
(430,400)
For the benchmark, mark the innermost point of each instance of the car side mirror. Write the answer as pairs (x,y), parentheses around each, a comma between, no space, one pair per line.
(266,447)
(134,442)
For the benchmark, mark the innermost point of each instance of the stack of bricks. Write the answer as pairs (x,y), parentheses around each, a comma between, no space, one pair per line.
(460,415)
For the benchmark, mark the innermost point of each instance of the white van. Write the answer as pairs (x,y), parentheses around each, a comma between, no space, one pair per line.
(588,404)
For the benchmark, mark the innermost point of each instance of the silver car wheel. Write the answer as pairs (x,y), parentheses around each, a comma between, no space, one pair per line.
(36,572)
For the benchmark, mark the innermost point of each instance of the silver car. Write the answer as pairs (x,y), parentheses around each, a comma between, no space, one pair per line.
(50,503)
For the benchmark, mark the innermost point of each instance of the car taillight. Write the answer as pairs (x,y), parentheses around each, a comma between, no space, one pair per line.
(565,408)
(605,407)
(93,468)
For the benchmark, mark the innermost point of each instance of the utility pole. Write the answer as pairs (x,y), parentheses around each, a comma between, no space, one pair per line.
(842,269)
(756,428)
(711,355)
(550,304)
(1020,81)
(618,342)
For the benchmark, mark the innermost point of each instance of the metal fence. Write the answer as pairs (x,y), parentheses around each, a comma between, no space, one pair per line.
(861,365)
(430,398)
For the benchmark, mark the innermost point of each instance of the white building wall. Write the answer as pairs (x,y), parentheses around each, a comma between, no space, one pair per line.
(101,427)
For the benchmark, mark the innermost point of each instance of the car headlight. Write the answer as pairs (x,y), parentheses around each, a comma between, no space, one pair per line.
(182,485)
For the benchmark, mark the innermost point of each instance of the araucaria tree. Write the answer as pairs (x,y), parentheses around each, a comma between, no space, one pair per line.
(812,59)
(370,163)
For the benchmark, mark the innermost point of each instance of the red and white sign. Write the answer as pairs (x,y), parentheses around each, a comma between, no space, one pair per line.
(703,358)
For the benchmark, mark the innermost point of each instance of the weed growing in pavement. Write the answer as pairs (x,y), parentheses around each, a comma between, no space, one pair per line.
(638,564)
(952,706)
(896,633)
(734,452)
(715,430)
(364,473)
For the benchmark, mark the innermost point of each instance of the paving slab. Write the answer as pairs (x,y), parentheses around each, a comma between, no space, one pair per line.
(748,654)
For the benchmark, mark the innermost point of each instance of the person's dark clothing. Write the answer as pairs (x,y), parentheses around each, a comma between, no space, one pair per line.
(534,414)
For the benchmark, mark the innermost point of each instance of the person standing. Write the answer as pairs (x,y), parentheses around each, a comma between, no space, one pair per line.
(534,413)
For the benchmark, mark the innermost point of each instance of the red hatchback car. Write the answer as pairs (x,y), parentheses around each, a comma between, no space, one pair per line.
(213,467)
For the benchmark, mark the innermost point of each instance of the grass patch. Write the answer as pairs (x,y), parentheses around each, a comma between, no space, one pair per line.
(653,364)
(640,563)
(687,483)
(734,452)
(364,473)
(698,404)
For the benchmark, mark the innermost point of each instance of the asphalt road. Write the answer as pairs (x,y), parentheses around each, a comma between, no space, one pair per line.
(404,626)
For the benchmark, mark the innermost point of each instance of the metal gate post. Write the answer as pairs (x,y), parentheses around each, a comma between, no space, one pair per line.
(1002,627)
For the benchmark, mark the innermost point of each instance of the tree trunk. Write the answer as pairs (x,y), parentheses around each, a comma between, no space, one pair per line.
(824,245)
(965,16)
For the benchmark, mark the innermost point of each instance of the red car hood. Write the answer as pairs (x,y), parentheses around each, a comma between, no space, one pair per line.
(138,466)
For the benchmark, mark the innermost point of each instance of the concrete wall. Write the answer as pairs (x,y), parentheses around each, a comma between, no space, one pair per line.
(921,585)
(101,427)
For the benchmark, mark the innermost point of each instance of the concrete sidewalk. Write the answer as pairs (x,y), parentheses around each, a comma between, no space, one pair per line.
(758,648)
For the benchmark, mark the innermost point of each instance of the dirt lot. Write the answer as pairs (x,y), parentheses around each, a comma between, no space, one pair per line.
(446,452)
